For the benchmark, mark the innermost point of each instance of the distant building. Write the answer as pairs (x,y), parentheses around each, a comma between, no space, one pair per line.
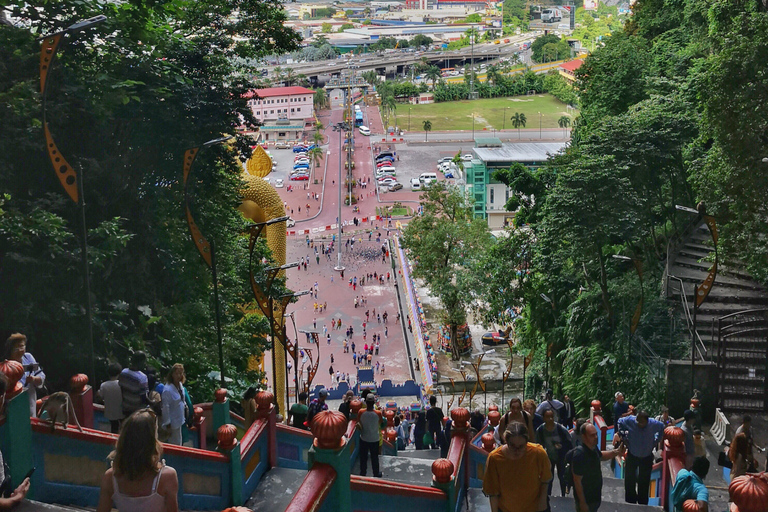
(284,111)
(568,69)
(490,155)
(423,98)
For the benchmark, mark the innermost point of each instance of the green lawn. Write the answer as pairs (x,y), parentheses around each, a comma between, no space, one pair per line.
(489,114)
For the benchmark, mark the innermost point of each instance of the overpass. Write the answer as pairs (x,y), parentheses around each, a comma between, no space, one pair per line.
(391,64)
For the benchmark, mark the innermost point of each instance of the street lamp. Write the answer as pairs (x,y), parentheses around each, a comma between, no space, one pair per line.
(285,299)
(206,248)
(339,128)
(540,115)
(506,113)
(66,173)
(409,119)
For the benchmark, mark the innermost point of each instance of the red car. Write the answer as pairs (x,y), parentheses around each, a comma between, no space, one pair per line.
(300,177)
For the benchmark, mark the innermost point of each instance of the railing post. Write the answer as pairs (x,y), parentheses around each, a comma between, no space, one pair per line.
(81,395)
(674,449)
(442,478)
(229,445)
(266,409)
(220,409)
(18,454)
(330,447)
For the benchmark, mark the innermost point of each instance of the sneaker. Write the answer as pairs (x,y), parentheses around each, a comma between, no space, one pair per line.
(380,475)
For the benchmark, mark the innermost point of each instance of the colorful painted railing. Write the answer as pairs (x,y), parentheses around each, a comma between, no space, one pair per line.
(316,487)
(477,458)
(655,490)
(605,432)
(204,476)
(376,495)
(293,446)
(673,460)
(208,480)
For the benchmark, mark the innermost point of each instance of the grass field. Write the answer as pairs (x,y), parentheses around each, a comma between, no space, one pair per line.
(488,114)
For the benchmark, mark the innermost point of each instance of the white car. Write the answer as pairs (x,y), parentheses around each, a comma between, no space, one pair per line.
(290,222)
(267,179)
(301,161)
(467,158)
(279,183)
(386,168)
(387,181)
(364,130)
(444,160)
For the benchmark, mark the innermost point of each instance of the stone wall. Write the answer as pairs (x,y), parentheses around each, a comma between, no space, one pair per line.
(679,387)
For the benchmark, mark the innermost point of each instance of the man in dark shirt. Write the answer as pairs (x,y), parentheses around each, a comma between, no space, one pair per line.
(587,475)
(435,422)
(134,385)
(317,405)
(620,407)
(344,408)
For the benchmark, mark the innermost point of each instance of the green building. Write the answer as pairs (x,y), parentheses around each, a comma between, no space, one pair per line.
(490,154)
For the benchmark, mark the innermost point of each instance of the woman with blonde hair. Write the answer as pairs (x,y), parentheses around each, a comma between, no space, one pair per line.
(174,405)
(139,480)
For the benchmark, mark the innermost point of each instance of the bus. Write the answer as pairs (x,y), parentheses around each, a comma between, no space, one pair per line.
(447,71)
(358,118)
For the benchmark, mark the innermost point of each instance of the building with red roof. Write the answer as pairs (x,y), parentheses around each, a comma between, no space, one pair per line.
(568,69)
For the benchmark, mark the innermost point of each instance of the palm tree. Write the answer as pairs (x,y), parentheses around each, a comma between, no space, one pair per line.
(317,138)
(278,74)
(371,77)
(427,128)
(320,99)
(389,106)
(492,74)
(433,73)
(519,120)
(316,154)
(564,122)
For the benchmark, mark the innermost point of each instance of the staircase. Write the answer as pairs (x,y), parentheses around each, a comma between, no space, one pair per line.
(410,466)
(731,326)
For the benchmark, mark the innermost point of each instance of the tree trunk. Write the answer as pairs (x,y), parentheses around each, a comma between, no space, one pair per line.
(455,352)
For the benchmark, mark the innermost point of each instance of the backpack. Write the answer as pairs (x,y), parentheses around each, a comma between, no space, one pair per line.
(568,471)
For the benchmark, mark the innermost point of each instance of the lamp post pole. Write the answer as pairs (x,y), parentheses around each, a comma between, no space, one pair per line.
(539,125)
(339,128)
(409,119)
(72,183)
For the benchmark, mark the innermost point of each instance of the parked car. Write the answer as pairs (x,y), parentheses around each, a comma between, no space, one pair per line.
(364,130)
(445,159)
(300,177)
(279,183)
(384,163)
(301,166)
(386,168)
(282,145)
(299,149)
(395,186)
(384,154)
(386,180)
(468,157)
(415,184)
(290,222)
(300,161)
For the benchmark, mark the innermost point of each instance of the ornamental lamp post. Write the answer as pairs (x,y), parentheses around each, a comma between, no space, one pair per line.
(639,309)
(206,248)
(64,171)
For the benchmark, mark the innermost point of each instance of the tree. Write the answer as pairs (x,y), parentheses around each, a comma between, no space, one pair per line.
(421,40)
(326,28)
(320,99)
(564,122)
(346,26)
(442,243)
(316,154)
(518,121)
(473,18)
(389,105)
(433,73)
(125,126)
(427,128)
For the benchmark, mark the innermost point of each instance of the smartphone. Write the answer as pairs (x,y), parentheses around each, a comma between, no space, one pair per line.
(29,474)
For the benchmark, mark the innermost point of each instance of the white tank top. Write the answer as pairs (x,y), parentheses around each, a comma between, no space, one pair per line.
(150,503)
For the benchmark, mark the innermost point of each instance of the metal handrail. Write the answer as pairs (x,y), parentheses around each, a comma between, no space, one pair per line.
(689,318)
(672,245)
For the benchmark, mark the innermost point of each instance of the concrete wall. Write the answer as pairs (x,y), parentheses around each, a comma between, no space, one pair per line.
(679,387)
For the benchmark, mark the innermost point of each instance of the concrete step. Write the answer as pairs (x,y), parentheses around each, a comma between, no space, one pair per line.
(419,454)
(691,275)
(406,470)
(36,506)
(276,489)
(704,266)
(477,502)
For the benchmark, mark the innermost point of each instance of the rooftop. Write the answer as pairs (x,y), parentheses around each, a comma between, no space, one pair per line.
(279,91)
(572,65)
(519,152)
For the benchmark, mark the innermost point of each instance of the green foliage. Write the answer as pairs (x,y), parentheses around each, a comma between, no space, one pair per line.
(473,18)
(548,48)
(346,26)
(326,28)
(556,85)
(421,40)
(163,78)
(442,243)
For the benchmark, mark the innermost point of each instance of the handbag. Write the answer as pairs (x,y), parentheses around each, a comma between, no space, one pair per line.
(724,461)
(428,439)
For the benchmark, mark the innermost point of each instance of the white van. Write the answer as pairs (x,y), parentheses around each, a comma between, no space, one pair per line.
(427,177)
(415,184)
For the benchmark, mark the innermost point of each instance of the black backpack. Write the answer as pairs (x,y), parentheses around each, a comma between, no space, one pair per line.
(568,471)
